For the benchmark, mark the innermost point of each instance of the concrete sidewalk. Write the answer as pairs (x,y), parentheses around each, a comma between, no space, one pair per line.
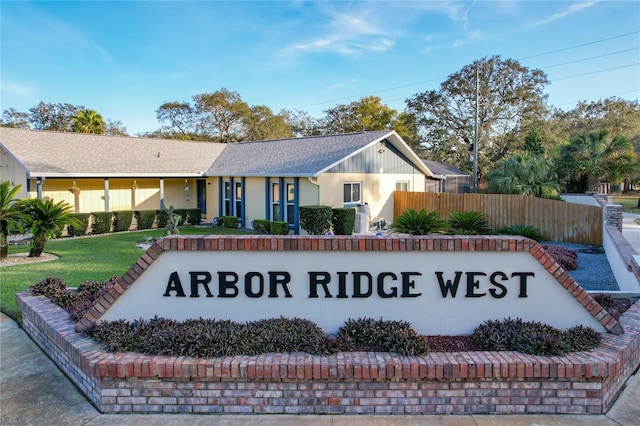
(631,230)
(33,391)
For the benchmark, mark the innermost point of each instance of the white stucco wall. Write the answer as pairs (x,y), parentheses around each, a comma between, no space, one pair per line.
(377,190)
(430,312)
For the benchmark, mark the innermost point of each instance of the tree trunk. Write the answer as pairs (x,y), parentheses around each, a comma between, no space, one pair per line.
(37,246)
(4,244)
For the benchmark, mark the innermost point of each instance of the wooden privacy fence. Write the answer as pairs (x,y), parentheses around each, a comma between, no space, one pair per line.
(557,220)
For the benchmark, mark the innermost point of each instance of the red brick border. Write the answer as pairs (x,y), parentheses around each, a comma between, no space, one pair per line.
(344,383)
(350,243)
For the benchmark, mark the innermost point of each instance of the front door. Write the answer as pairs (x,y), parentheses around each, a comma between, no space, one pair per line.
(202,195)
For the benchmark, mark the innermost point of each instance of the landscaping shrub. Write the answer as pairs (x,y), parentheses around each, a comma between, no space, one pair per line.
(146,219)
(367,334)
(418,223)
(48,286)
(567,258)
(101,222)
(580,338)
(122,220)
(194,216)
(316,220)
(532,337)
(524,230)
(84,218)
(343,221)
(615,306)
(163,217)
(262,226)
(86,296)
(183,216)
(279,227)
(468,223)
(230,222)
(210,338)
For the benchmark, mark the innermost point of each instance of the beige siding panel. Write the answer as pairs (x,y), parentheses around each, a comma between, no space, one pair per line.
(254,199)
(12,171)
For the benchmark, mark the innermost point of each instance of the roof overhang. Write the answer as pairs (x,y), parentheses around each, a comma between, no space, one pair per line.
(37,175)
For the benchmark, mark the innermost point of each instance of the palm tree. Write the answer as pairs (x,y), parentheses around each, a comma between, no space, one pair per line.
(524,174)
(11,214)
(88,121)
(597,156)
(45,219)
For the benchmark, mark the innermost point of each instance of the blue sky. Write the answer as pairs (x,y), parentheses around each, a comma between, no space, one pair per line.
(126,58)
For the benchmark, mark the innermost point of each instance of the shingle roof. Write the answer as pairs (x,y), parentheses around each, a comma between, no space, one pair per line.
(307,156)
(443,169)
(51,154)
(60,154)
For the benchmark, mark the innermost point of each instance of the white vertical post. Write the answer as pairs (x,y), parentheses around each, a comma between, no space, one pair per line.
(161,193)
(106,195)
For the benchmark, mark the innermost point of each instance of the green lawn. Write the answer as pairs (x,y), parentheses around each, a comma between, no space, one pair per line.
(82,259)
(629,202)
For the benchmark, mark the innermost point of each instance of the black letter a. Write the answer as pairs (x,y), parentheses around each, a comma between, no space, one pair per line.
(174,284)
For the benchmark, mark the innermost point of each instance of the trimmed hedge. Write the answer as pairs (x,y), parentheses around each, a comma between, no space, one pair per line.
(262,226)
(183,216)
(163,217)
(279,228)
(316,220)
(101,222)
(82,217)
(343,221)
(145,219)
(122,220)
(230,221)
(194,216)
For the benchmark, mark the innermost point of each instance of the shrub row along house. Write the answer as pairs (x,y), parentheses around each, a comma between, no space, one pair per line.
(250,180)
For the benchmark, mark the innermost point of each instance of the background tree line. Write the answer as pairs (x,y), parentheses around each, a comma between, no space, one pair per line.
(517,129)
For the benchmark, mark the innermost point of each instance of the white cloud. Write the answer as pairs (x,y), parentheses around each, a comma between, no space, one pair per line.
(572,9)
(17,90)
(349,31)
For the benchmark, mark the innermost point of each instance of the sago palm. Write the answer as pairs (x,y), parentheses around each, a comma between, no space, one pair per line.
(11,214)
(418,223)
(45,219)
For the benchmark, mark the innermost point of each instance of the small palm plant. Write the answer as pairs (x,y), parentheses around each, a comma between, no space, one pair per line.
(45,219)
(468,223)
(419,223)
(11,214)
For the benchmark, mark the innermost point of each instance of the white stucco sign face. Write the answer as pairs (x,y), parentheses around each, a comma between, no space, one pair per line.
(438,292)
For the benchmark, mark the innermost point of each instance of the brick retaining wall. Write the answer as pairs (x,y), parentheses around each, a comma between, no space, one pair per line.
(344,383)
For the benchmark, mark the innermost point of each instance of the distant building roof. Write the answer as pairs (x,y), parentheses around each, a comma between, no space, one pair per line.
(443,169)
(308,156)
(61,154)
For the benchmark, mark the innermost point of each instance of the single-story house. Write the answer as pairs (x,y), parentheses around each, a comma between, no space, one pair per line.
(251,180)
